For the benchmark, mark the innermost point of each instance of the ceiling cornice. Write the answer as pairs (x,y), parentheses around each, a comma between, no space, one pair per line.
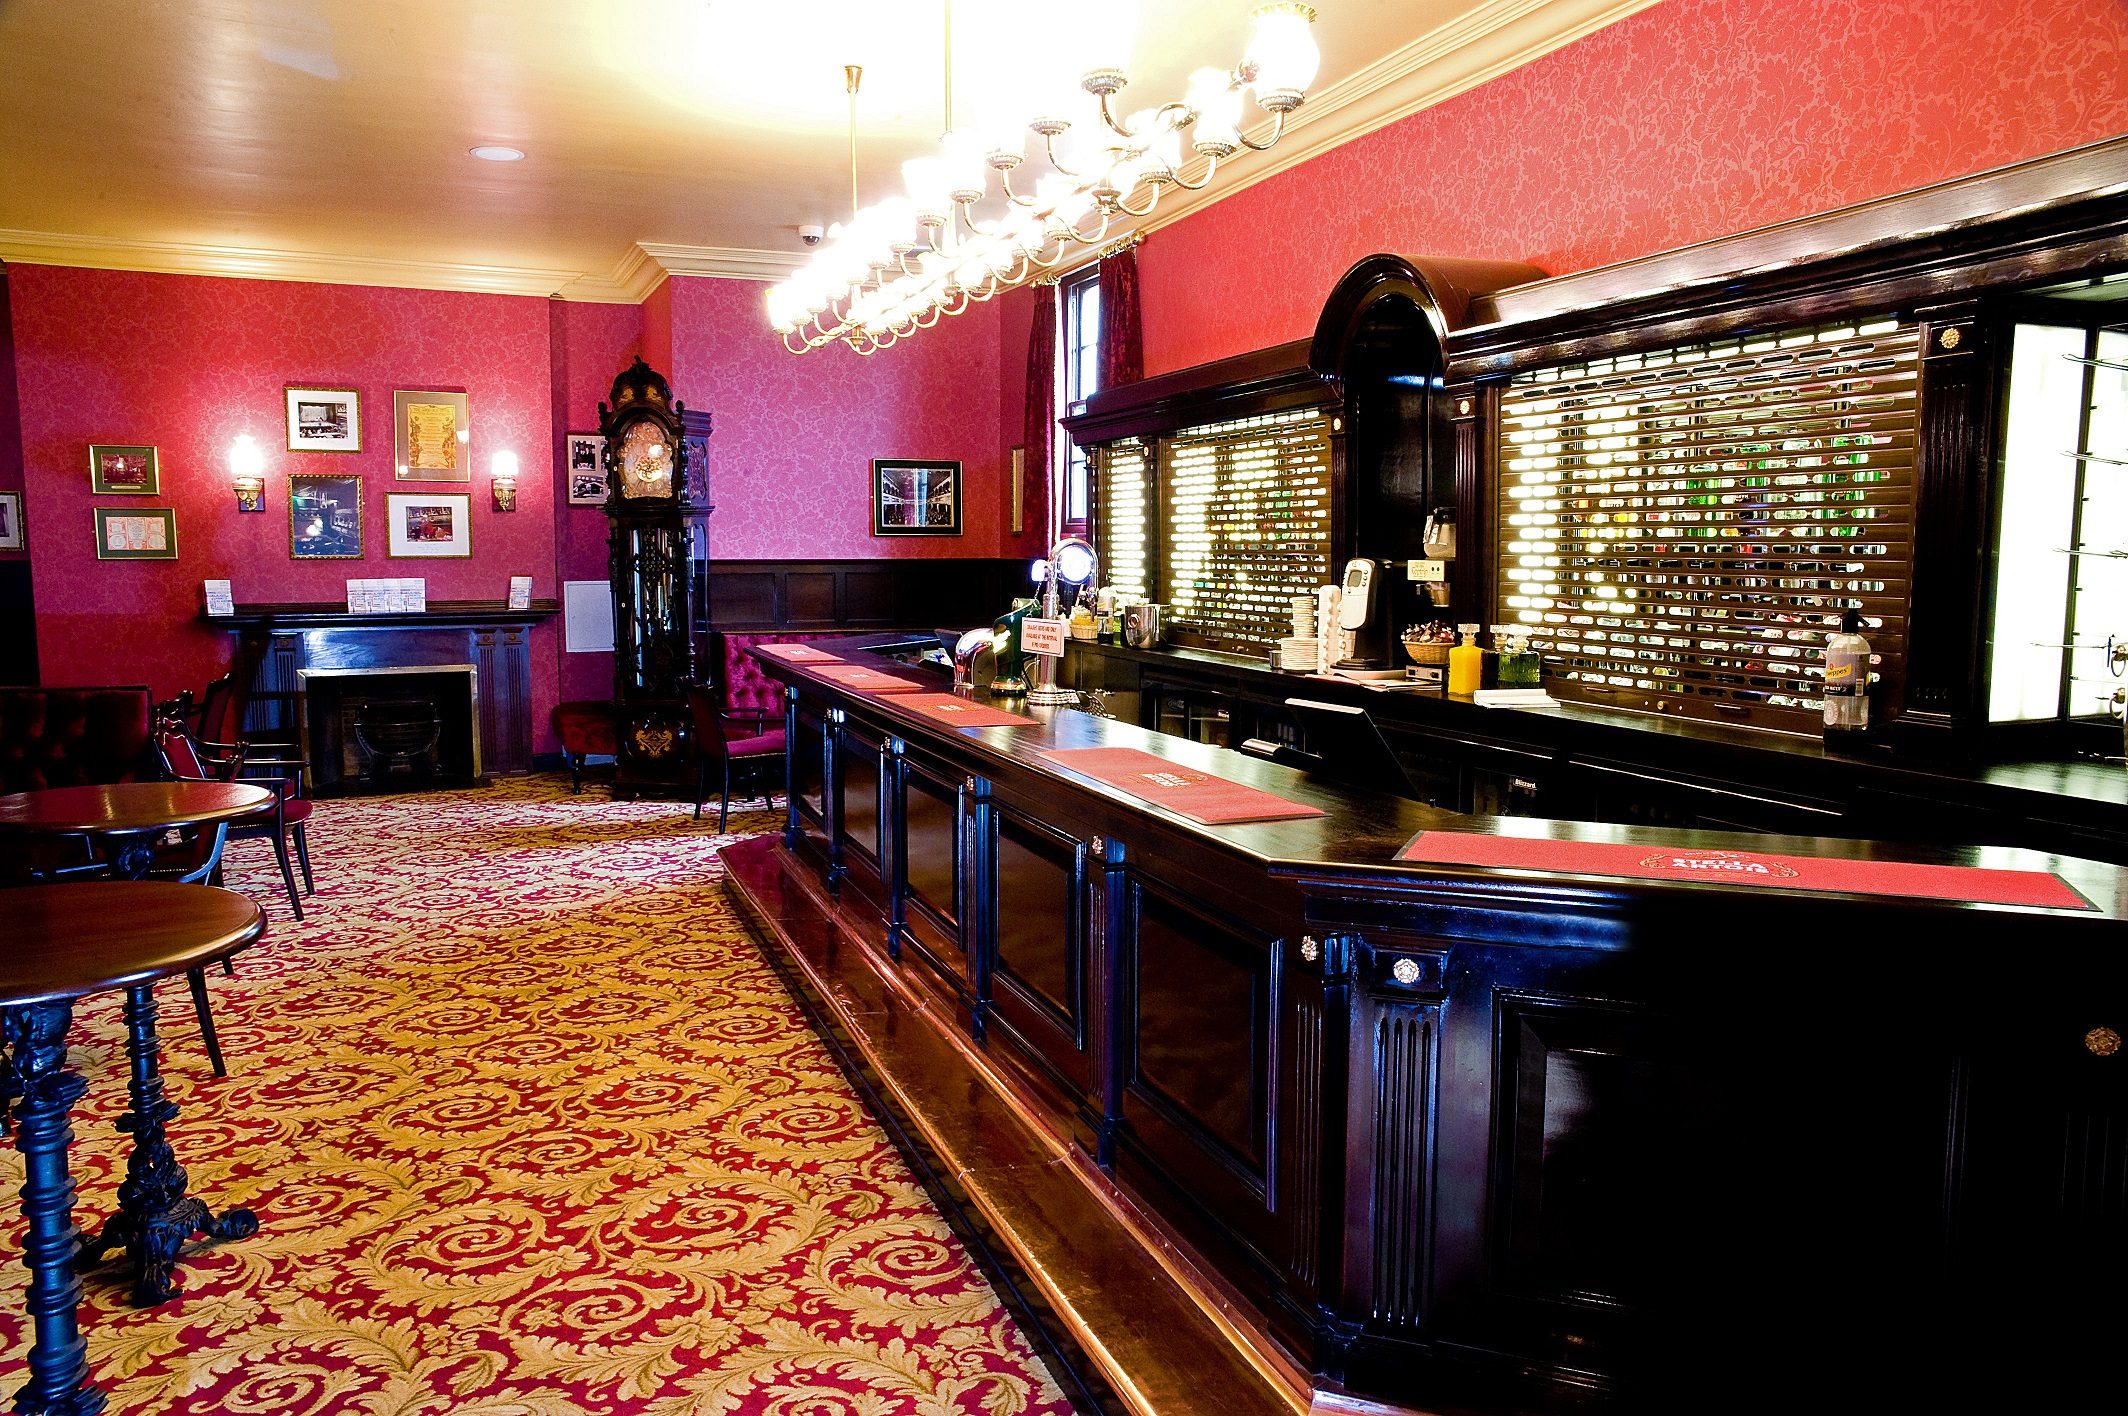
(1482,44)
(723,262)
(257,263)
(1492,39)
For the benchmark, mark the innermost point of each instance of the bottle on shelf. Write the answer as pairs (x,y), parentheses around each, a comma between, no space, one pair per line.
(1466,663)
(1847,680)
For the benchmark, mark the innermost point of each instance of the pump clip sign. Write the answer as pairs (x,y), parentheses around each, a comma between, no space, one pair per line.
(1043,636)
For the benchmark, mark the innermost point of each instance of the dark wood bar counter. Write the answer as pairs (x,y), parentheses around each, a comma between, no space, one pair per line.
(1504,1139)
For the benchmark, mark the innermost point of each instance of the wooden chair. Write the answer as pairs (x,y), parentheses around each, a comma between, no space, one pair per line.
(724,738)
(188,759)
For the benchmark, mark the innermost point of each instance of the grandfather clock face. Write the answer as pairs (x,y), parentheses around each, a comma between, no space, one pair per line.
(646,462)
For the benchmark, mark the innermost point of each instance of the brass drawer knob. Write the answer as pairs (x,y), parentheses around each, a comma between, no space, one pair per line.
(2102,1042)
(1311,949)
(1406,971)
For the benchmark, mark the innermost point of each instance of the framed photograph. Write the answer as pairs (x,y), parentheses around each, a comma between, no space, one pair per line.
(430,525)
(916,498)
(323,419)
(586,470)
(10,521)
(432,434)
(124,471)
(147,533)
(324,516)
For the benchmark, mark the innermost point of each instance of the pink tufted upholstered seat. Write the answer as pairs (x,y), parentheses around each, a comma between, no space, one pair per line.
(739,716)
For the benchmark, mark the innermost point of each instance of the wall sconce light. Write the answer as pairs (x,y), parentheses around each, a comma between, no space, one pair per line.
(502,488)
(247,473)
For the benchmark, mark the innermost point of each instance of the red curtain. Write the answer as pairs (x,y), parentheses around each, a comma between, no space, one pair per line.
(1122,344)
(1039,428)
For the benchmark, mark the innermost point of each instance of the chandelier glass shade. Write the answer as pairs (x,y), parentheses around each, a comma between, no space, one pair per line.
(1002,202)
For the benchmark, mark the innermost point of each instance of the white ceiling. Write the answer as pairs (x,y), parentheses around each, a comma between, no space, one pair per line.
(327,138)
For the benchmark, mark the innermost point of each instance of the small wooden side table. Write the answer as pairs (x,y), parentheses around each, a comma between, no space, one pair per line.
(67,942)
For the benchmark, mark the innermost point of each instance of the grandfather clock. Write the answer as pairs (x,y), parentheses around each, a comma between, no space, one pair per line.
(656,509)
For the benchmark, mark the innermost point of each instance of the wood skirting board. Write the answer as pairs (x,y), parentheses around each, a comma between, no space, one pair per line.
(1145,1330)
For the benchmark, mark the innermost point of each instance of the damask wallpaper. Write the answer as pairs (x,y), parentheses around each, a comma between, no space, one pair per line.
(188,362)
(791,461)
(1689,120)
(591,344)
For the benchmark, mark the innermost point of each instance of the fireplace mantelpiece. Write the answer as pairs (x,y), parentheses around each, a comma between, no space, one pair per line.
(281,640)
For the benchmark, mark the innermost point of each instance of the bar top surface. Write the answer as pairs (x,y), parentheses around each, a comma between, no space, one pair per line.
(1363,831)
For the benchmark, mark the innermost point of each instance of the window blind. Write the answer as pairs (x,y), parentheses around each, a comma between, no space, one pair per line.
(1680,530)
(1123,520)
(1245,526)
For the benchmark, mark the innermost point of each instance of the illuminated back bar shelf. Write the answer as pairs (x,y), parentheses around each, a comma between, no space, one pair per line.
(1675,474)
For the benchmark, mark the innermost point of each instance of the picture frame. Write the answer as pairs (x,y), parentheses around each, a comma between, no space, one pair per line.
(322,419)
(432,435)
(136,533)
(584,467)
(324,516)
(916,497)
(429,525)
(124,470)
(11,538)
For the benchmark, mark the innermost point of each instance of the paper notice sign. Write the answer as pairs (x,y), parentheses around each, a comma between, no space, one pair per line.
(520,592)
(219,600)
(417,596)
(360,600)
(1043,636)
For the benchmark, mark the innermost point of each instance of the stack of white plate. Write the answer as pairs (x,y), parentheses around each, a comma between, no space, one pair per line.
(1297,653)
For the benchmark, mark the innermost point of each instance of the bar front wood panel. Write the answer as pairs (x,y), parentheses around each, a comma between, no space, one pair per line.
(1528,1145)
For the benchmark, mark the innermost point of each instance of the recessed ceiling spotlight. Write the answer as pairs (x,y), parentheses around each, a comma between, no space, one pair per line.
(494,152)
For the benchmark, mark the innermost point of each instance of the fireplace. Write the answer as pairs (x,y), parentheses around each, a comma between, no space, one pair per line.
(293,652)
(390,728)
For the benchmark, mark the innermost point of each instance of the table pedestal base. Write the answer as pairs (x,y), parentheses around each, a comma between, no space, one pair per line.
(59,1359)
(155,1216)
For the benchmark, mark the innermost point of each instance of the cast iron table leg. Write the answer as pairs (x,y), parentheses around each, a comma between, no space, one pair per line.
(59,1359)
(155,1215)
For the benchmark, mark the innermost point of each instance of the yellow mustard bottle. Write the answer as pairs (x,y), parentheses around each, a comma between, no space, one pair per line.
(1466,663)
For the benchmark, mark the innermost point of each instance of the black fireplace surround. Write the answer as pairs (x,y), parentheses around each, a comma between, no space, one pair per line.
(471,659)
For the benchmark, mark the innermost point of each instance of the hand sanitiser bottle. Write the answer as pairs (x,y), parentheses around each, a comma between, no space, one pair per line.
(1847,680)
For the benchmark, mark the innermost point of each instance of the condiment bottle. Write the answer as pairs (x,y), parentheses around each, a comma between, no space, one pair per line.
(1847,680)
(1466,663)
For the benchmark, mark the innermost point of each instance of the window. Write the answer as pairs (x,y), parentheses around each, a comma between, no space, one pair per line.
(1683,528)
(2061,547)
(1079,302)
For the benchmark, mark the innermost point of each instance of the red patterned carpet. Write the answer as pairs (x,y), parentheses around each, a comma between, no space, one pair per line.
(531,1130)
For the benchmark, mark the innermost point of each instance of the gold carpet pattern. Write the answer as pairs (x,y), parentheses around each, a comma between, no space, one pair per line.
(531,1129)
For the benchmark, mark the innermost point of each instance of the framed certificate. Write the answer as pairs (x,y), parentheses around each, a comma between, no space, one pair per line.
(147,533)
(432,434)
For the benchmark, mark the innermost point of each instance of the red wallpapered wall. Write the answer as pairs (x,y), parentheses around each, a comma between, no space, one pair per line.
(188,362)
(592,343)
(1690,120)
(791,459)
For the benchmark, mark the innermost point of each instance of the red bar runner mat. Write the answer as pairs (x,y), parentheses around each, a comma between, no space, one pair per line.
(1756,870)
(1183,790)
(799,653)
(960,713)
(864,680)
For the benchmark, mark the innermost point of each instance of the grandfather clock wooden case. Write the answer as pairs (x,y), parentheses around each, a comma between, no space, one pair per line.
(657,475)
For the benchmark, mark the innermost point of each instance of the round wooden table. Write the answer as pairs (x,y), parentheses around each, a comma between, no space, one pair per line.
(67,942)
(129,816)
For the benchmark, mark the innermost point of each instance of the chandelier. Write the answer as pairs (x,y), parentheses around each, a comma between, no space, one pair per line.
(901,264)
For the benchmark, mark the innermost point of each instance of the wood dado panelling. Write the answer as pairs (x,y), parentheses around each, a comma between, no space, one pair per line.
(866,594)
